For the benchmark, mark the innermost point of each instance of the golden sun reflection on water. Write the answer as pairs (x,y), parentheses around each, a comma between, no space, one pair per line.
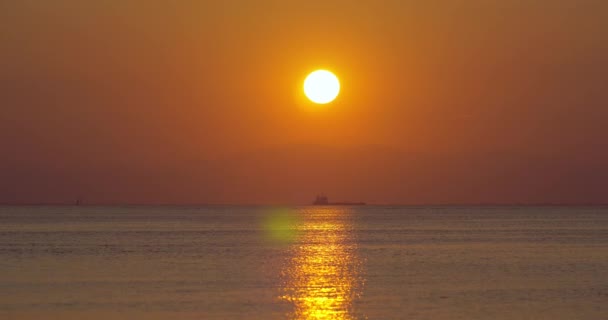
(323,278)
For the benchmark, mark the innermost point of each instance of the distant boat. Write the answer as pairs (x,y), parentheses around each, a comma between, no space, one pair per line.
(323,200)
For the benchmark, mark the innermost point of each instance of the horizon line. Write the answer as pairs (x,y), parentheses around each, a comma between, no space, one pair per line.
(193,204)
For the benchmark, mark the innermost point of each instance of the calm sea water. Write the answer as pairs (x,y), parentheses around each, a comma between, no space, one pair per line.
(303,263)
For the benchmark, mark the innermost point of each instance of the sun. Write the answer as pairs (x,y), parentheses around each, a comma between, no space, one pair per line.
(321,87)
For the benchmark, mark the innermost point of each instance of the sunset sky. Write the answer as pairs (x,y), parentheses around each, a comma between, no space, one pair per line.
(442,101)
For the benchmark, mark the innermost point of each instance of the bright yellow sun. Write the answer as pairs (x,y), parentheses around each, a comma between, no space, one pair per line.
(321,87)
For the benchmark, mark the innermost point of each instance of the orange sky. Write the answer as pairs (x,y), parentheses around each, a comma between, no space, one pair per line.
(200,101)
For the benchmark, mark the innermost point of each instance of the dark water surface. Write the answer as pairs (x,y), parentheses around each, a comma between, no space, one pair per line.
(303,263)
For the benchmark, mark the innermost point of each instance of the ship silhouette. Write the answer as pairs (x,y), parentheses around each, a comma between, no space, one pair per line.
(323,200)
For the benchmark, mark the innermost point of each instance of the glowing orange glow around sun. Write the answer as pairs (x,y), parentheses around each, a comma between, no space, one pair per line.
(322,87)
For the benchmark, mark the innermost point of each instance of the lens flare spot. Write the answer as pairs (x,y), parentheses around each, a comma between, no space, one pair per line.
(280,226)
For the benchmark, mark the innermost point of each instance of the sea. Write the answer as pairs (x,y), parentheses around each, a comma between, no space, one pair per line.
(307,262)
